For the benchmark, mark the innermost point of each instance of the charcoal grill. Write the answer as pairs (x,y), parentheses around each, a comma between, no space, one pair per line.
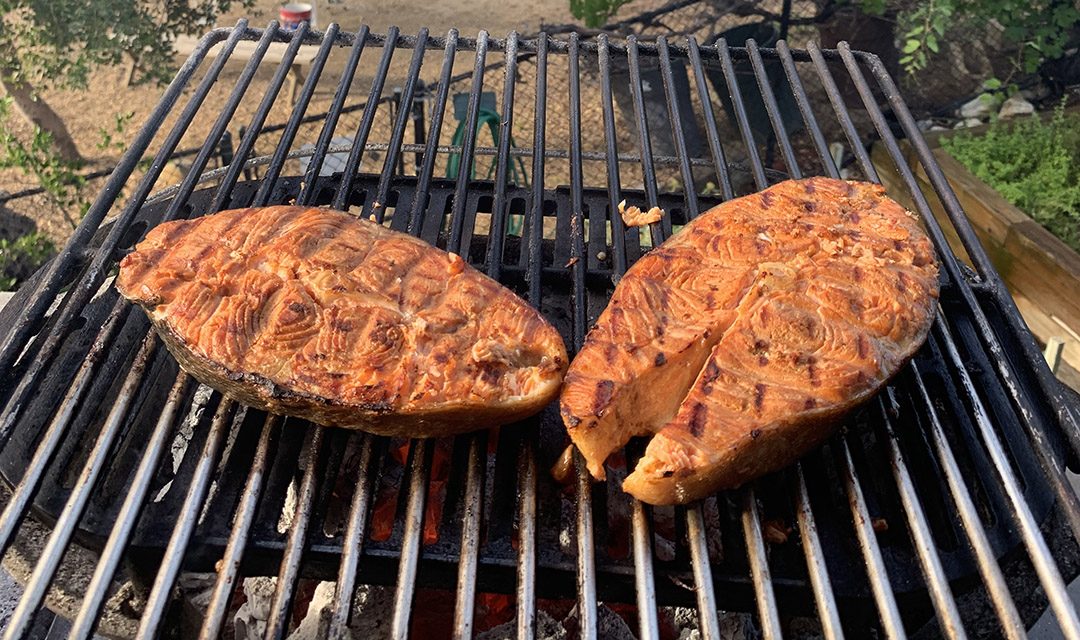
(114,449)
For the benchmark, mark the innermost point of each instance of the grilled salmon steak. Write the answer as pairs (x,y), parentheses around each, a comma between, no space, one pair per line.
(740,341)
(318,314)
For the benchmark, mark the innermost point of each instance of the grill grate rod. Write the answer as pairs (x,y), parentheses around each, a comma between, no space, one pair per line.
(875,564)
(420,200)
(1039,433)
(128,516)
(586,558)
(759,564)
(644,576)
(378,206)
(419,465)
(534,232)
(1011,623)
(888,608)
(940,592)
(326,132)
(281,150)
(703,583)
(587,603)
(153,613)
(773,109)
(500,208)
(618,230)
(718,160)
(837,101)
(679,136)
(229,574)
(247,142)
(47,563)
(468,144)
(751,519)
(352,546)
(828,611)
(803,101)
(658,231)
(356,155)
(277,625)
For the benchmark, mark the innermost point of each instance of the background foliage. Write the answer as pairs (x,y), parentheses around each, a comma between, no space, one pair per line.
(1032,163)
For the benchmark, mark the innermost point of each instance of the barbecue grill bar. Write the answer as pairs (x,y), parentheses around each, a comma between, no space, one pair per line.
(974,432)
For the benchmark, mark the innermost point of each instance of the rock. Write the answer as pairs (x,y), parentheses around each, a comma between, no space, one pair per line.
(967,123)
(738,626)
(1016,105)
(978,107)
(547,628)
(250,619)
(316,622)
(924,125)
(938,127)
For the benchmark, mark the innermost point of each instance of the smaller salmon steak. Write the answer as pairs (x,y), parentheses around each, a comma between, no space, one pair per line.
(317,314)
(740,342)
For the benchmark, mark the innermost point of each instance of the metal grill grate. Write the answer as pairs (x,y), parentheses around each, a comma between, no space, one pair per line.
(107,442)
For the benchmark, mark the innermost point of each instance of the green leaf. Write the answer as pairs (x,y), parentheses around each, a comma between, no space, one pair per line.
(992,84)
(931,42)
(911,45)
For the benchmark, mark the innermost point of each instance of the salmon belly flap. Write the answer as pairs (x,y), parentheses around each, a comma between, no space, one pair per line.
(315,313)
(740,342)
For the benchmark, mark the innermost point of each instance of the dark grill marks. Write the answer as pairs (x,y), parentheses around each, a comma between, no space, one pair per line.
(697,420)
(660,360)
(711,373)
(604,390)
(759,396)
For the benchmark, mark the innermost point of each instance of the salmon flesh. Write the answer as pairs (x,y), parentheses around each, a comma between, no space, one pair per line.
(315,313)
(740,342)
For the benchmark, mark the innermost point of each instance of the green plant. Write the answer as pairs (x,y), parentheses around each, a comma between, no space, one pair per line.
(58,43)
(21,257)
(595,13)
(107,142)
(60,178)
(1033,164)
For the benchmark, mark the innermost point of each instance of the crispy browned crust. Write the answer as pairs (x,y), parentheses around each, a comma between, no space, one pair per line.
(742,340)
(317,314)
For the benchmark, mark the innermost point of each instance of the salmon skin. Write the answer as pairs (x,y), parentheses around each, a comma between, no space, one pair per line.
(314,313)
(741,341)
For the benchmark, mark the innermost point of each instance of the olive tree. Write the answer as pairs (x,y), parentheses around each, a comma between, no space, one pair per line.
(58,43)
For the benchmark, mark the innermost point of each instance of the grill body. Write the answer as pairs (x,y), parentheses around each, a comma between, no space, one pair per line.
(961,458)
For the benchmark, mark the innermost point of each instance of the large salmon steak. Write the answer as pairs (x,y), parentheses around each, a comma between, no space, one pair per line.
(315,313)
(740,342)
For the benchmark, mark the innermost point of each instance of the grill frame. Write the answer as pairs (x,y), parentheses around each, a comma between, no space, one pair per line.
(1028,383)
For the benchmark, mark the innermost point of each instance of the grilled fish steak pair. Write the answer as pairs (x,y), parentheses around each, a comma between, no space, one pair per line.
(738,342)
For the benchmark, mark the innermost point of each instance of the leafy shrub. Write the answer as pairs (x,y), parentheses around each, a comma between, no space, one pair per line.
(21,257)
(1033,164)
